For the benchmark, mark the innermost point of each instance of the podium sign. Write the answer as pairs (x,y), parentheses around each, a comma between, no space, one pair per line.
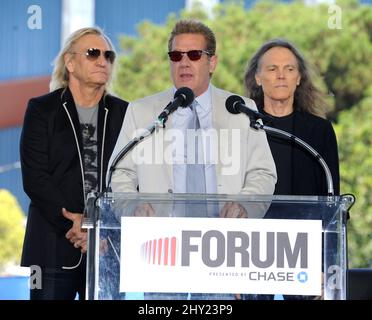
(214,255)
(182,248)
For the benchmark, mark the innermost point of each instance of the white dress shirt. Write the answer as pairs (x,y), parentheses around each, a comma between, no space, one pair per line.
(180,120)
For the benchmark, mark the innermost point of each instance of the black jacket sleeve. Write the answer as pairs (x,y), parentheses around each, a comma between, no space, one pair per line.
(37,179)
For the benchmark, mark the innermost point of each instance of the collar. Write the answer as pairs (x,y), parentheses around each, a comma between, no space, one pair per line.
(66,96)
(204,101)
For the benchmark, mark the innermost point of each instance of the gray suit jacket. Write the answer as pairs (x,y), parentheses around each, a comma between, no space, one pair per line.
(245,164)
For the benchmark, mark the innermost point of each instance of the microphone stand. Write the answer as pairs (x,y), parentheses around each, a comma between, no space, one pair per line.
(347,197)
(90,217)
(159,123)
(280,133)
(91,214)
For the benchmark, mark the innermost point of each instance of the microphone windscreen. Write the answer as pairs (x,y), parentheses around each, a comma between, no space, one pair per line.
(187,94)
(231,103)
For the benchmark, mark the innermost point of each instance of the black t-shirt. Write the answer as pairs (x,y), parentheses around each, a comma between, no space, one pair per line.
(88,124)
(281,150)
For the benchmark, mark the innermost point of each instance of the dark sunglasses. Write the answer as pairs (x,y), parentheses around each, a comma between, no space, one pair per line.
(93,54)
(193,55)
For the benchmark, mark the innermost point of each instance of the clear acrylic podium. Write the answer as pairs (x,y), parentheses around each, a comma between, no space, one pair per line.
(105,211)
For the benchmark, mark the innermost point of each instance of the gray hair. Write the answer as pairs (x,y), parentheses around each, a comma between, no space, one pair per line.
(307,96)
(60,75)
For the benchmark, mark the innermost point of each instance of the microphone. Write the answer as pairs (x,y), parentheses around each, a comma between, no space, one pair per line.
(235,104)
(182,98)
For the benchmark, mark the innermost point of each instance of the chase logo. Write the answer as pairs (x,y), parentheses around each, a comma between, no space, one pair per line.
(302,277)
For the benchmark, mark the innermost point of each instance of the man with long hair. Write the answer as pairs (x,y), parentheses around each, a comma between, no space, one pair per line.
(279,80)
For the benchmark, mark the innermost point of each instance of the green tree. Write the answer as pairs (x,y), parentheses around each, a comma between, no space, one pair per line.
(341,57)
(355,148)
(11,229)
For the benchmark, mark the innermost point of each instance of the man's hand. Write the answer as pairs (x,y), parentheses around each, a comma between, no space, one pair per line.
(144,210)
(233,210)
(76,235)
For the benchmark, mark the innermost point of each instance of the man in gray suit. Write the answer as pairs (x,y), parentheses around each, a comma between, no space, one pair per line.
(236,158)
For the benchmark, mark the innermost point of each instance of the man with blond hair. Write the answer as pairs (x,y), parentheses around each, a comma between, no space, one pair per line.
(53,147)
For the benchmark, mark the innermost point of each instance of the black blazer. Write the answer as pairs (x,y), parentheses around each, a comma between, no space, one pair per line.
(51,162)
(308,177)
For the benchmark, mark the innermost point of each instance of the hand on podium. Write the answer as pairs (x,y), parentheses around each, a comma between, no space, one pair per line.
(103,246)
(76,235)
(144,210)
(233,210)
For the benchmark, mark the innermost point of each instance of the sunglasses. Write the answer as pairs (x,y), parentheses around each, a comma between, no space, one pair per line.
(93,54)
(193,55)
